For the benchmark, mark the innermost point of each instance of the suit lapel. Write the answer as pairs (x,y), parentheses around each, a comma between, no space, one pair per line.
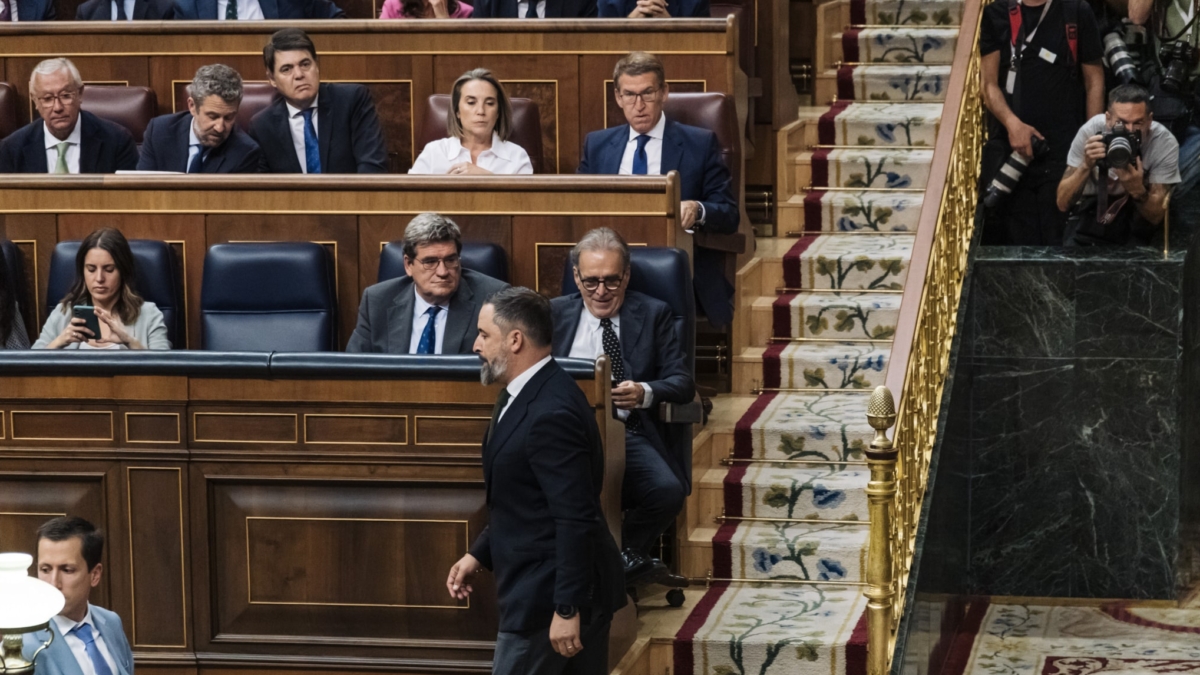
(672,150)
(270,9)
(91,148)
(281,127)
(457,321)
(180,147)
(633,317)
(516,412)
(140,9)
(616,150)
(400,320)
(565,326)
(206,10)
(60,654)
(107,631)
(325,123)
(36,149)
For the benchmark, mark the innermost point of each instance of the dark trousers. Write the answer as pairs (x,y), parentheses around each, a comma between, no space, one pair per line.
(651,494)
(530,652)
(1029,216)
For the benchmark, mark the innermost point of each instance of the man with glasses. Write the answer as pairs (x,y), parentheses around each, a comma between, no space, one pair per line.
(65,139)
(637,333)
(434,308)
(651,144)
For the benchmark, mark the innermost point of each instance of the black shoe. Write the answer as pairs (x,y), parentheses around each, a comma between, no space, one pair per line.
(636,564)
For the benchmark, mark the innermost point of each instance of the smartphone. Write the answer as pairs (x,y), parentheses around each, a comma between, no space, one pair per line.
(88,314)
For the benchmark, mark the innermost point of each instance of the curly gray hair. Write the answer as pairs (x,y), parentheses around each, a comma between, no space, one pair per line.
(430,228)
(216,80)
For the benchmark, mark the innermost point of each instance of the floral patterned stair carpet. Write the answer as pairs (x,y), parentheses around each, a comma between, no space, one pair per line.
(802,521)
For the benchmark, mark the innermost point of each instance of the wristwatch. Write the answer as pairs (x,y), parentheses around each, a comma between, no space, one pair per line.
(566,611)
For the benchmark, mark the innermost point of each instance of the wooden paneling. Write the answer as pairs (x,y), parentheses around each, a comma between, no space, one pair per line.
(156,546)
(53,424)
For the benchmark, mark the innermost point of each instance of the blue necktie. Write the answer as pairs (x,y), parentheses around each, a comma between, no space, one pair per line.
(429,337)
(121,15)
(312,150)
(197,161)
(84,632)
(640,162)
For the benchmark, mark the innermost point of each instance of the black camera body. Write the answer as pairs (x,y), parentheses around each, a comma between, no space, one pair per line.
(1121,146)
(1178,60)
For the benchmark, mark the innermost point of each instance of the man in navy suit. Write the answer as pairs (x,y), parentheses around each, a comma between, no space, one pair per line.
(255,10)
(558,572)
(637,333)
(534,9)
(65,139)
(124,10)
(204,138)
(654,9)
(27,10)
(88,640)
(652,144)
(314,127)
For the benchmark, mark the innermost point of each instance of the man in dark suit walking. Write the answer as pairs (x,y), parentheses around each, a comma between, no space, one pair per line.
(434,309)
(204,138)
(124,10)
(637,333)
(314,127)
(534,9)
(252,10)
(558,572)
(652,144)
(66,139)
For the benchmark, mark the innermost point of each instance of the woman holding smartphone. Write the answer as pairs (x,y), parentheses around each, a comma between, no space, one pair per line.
(104,277)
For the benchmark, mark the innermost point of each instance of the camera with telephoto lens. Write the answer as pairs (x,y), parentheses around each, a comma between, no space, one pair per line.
(1121,146)
(1116,55)
(1011,172)
(1178,60)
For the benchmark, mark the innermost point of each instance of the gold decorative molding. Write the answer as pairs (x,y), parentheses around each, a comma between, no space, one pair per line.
(352,442)
(178,430)
(182,552)
(13,418)
(417,429)
(196,415)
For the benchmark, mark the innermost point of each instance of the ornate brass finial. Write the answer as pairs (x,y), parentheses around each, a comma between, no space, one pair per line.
(881,415)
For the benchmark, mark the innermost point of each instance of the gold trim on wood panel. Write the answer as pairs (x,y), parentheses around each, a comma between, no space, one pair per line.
(182,555)
(557,124)
(37,305)
(249,584)
(417,428)
(178,430)
(604,97)
(2,425)
(31,513)
(400,417)
(12,418)
(295,422)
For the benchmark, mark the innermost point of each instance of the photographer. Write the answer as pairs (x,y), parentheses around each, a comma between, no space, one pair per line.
(1137,158)
(1039,88)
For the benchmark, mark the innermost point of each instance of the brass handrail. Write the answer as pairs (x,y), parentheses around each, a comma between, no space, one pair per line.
(924,334)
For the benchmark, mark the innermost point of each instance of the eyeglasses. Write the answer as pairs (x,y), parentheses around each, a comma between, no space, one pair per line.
(590,284)
(65,97)
(430,264)
(648,96)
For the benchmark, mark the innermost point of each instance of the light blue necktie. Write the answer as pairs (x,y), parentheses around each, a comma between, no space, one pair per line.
(429,337)
(640,162)
(312,149)
(84,632)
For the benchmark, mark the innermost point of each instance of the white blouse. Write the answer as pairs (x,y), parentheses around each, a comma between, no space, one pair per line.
(504,157)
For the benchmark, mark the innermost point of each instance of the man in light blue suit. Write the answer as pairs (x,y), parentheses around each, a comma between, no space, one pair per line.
(68,557)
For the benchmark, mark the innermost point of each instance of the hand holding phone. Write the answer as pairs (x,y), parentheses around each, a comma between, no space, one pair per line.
(91,321)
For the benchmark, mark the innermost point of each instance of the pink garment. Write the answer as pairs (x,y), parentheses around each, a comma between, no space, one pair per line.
(392,9)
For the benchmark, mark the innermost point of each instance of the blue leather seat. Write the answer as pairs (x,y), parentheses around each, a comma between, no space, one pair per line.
(158,280)
(14,267)
(483,257)
(266,297)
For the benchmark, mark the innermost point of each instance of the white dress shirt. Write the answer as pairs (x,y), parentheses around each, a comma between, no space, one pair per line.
(248,10)
(194,146)
(12,7)
(523,7)
(78,649)
(421,319)
(72,149)
(297,123)
(589,344)
(517,385)
(503,158)
(653,150)
(128,9)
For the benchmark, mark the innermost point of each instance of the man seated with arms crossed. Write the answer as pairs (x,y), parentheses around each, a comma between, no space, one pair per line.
(648,366)
(432,310)
(68,558)
(66,139)
(314,127)
(652,144)
(204,138)
(1132,207)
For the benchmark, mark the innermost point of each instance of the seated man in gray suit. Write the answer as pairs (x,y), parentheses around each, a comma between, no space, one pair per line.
(88,640)
(434,309)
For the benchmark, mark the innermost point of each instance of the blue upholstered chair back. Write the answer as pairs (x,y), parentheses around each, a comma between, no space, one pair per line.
(157,280)
(275,296)
(664,274)
(483,257)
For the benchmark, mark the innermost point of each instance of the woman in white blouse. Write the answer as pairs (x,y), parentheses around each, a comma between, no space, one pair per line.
(479,123)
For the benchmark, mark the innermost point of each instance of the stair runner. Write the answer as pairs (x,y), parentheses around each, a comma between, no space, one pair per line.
(804,519)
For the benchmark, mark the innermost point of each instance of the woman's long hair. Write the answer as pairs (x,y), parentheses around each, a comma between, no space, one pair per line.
(129,303)
(415,9)
(8,303)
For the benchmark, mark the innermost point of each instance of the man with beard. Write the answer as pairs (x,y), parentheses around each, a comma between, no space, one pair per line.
(559,575)
(204,138)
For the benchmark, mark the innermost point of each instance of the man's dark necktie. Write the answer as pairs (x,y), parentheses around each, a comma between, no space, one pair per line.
(641,164)
(312,149)
(531,11)
(84,632)
(501,401)
(612,349)
(197,162)
(121,15)
(231,11)
(428,342)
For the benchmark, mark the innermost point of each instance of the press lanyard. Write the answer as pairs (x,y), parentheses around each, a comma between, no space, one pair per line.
(1014,22)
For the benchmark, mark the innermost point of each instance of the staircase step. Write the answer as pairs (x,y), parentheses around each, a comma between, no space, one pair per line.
(759,628)
(926,46)
(861,211)
(840,262)
(906,12)
(787,491)
(824,365)
(867,168)
(881,124)
(808,551)
(837,315)
(873,82)
(813,426)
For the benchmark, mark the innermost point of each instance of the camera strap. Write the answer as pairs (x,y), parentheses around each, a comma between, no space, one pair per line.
(1020,40)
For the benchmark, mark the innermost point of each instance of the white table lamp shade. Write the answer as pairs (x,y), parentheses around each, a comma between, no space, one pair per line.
(26,603)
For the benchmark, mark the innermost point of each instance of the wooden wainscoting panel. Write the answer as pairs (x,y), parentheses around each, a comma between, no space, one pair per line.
(236,427)
(155,427)
(351,428)
(450,429)
(46,424)
(156,556)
